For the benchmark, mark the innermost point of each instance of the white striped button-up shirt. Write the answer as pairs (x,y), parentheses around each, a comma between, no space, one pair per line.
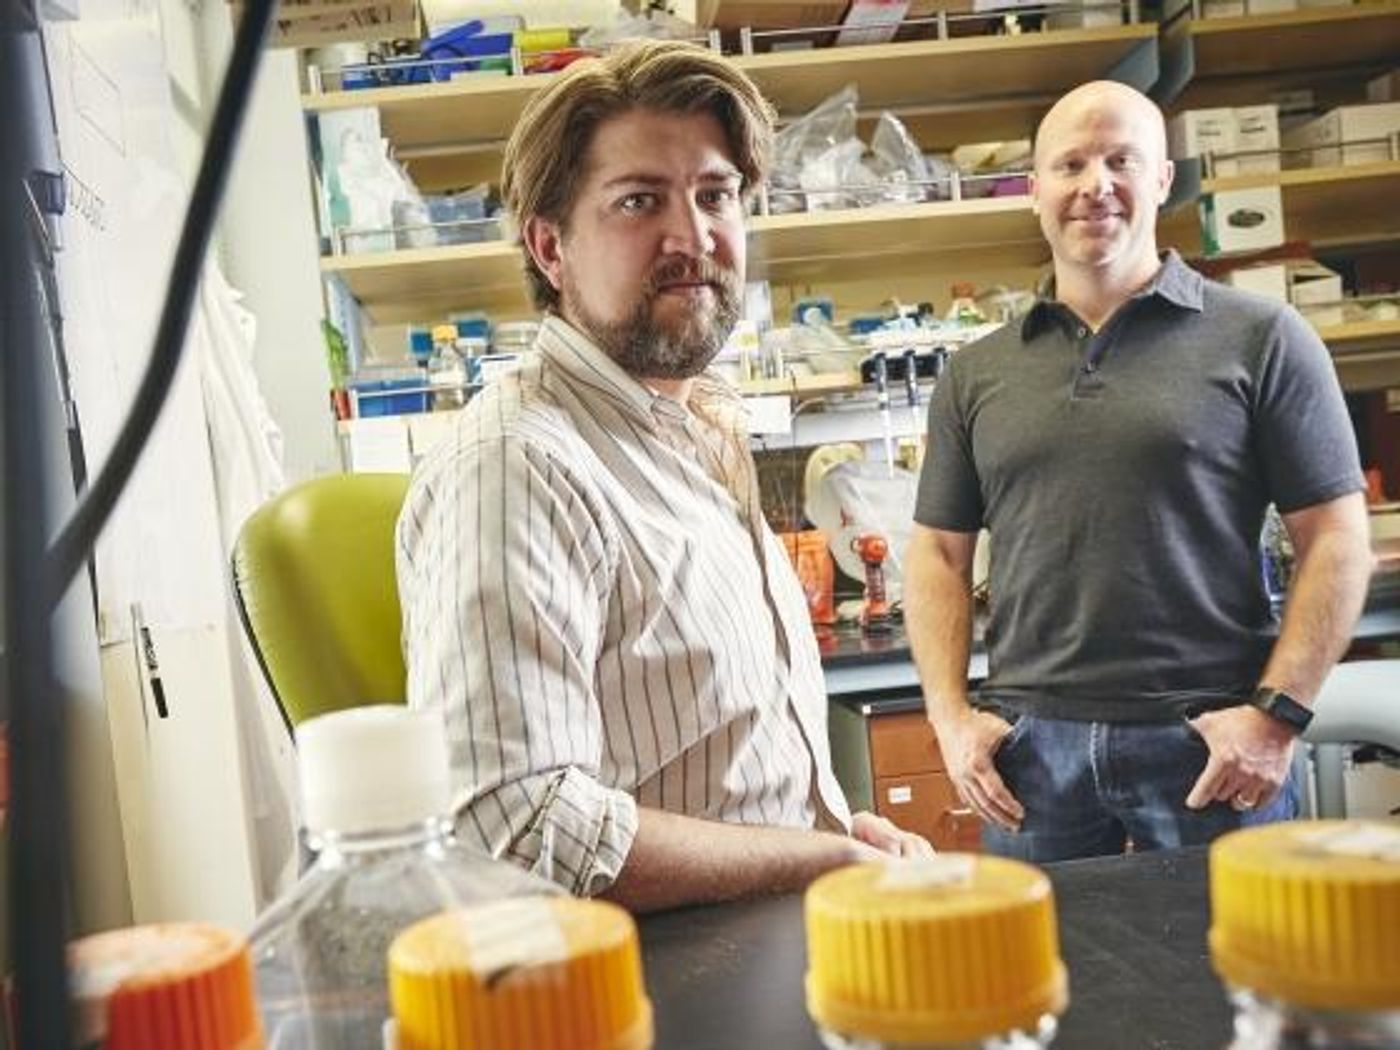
(593,601)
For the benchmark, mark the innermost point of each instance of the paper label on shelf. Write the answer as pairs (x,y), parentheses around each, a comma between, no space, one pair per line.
(379,445)
(769,414)
(1369,841)
(901,795)
(511,934)
(949,869)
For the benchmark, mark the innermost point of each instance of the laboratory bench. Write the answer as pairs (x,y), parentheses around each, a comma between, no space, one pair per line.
(884,751)
(1132,934)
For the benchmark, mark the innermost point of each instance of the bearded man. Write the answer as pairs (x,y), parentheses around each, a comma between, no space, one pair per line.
(615,639)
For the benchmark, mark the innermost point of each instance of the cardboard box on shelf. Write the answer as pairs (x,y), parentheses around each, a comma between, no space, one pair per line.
(1199,131)
(1385,88)
(1347,135)
(1316,291)
(872,21)
(1225,131)
(768,14)
(1242,220)
(1237,8)
(1256,133)
(1084,14)
(1270,280)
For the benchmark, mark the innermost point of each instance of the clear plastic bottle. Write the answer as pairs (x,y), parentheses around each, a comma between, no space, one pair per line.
(376,804)
(890,947)
(1304,933)
(447,371)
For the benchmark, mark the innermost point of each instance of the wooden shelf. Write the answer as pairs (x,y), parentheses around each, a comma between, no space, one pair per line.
(811,247)
(984,87)
(1329,51)
(470,109)
(807,247)
(1021,74)
(417,284)
(1363,34)
(1327,207)
(1365,353)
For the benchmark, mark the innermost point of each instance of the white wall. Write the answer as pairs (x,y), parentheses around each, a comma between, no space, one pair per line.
(267,246)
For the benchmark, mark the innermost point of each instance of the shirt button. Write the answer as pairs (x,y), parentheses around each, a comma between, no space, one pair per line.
(1083,331)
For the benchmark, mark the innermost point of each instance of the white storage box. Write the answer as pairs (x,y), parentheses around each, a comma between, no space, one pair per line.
(1256,130)
(1199,131)
(1242,220)
(1385,88)
(1270,281)
(1316,291)
(1339,137)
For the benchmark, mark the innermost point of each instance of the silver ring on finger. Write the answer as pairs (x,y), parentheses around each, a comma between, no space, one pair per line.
(1243,805)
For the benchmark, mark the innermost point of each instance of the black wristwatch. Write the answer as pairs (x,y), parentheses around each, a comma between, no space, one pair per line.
(1280,706)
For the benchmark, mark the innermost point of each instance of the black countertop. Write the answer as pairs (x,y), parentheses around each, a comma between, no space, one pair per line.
(1132,932)
(866,670)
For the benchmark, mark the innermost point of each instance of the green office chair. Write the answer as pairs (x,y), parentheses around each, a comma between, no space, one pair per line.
(313,573)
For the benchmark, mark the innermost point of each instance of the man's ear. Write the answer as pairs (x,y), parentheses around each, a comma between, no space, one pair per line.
(1168,176)
(1033,188)
(543,240)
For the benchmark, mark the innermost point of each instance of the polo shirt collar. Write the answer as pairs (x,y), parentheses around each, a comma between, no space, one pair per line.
(1174,282)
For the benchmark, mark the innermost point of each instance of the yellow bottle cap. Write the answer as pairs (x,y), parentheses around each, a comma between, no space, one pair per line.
(174,986)
(1308,912)
(547,973)
(444,333)
(953,948)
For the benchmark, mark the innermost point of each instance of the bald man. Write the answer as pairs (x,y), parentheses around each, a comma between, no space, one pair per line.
(1121,444)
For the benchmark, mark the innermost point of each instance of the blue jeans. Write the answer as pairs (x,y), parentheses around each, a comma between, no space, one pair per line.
(1090,787)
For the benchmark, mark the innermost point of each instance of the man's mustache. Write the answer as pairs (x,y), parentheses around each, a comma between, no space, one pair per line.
(691,271)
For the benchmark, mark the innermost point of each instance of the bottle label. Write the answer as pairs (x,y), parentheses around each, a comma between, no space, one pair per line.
(1369,841)
(944,870)
(510,934)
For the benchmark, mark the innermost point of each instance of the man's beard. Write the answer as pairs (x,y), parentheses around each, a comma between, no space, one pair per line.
(648,349)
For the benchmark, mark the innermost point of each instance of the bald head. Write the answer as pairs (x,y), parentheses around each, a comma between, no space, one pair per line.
(1101,173)
(1103,102)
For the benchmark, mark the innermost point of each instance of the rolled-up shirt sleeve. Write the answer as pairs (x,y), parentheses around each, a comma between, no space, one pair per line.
(504,565)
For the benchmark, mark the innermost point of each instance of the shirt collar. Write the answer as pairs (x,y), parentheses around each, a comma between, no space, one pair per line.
(1174,282)
(579,357)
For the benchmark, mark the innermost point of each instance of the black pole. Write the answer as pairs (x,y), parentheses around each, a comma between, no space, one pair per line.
(37,821)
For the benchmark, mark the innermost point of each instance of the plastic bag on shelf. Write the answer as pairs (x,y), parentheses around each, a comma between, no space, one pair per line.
(653,25)
(847,495)
(386,210)
(807,140)
(898,160)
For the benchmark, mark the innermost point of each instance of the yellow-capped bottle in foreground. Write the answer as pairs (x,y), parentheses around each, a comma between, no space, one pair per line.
(1305,933)
(543,973)
(956,950)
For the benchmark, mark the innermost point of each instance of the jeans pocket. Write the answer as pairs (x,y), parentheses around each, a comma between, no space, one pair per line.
(1193,734)
(1020,725)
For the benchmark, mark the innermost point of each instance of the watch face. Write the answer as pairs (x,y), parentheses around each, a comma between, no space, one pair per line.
(1284,708)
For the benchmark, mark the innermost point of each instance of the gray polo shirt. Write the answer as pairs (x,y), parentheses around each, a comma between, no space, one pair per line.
(1124,476)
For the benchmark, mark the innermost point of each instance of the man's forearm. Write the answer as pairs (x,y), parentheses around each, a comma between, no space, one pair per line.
(938,619)
(676,860)
(1323,605)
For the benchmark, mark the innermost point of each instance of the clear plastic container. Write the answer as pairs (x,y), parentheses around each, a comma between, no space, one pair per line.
(447,370)
(889,948)
(376,804)
(1305,933)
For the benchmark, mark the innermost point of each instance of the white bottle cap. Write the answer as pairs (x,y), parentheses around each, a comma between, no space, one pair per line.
(372,768)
